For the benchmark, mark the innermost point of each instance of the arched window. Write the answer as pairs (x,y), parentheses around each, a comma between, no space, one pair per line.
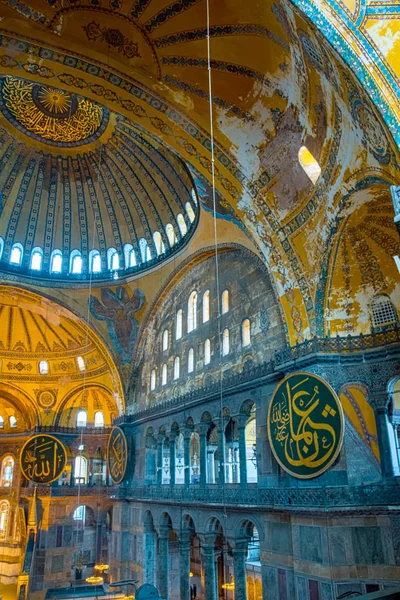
(17,252)
(94,261)
(177,364)
(1,246)
(112,259)
(225,342)
(207,352)
(130,257)
(7,469)
(194,195)
(158,243)
(181,224)
(80,513)
(383,311)
(36,259)
(81,363)
(169,230)
(1,422)
(192,312)
(206,306)
(191,361)
(43,367)
(81,418)
(246,333)
(4,510)
(12,421)
(164,375)
(190,212)
(165,340)
(225,302)
(56,261)
(80,471)
(98,419)
(309,164)
(178,328)
(75,265)
(145,252)
(153,380)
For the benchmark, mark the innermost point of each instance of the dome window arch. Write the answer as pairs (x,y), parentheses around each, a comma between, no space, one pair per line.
(206,306)
(81,364)
(94,261)
(164,376)
(81,470)
(158,243)
(81,418)
(36,259)
(7,471)
(98,419)
(112,259)
(191,360)
(177,365)
(130,256)
(225,342)
(12,421)
(383,311)
(246,333)
(194,195)
(43,367)
(1,247)
(169,230)
(192,312)
(225,301)
(165,340)
(75,262)
(153,380)
(178,325)
(16,255)
(56,261)
(309,164)
(190,212)
(4,514)
(1,422)
(181,224)
(207,352)
(145,251)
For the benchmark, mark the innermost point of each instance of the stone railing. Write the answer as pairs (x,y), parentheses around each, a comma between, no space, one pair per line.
(65,490)
(89,429)
(312,498)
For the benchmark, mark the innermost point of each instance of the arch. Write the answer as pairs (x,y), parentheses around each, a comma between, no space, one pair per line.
(17,252)
(145,252)
(225,342)
(181,224)
(164,375)
(190,212)
(98,419)
(112,259)
(165,340)
(81,364)
(192,312)
(130,256)
(7,471)
(225,301)
(36,259)
(206,306)
(94,261)
(214,526)
(169,230)
(43,367)
(179,324)
(81,470)
(207,352)
(246,333)
(158,243)
(56,260)
(81,418)
(309,164)
(22,402)
(191,360)
(176,367)
(153,380)
(75,262)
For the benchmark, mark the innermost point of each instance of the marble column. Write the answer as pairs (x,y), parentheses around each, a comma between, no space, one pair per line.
(186,458)
(184,548)
(221,454)
(210,582)
(203,457)
(163,562)
(160,453)
(239,571)
(172,459)
(242,455)
(382,425)
(90,473)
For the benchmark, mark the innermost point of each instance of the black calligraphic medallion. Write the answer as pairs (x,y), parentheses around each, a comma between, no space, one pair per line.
(117,454)
(305,425)
(43,458)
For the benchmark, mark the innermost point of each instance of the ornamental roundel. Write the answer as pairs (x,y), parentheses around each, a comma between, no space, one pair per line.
(305,425)
(46,399)
(51,115)
(43,458)
(117,454)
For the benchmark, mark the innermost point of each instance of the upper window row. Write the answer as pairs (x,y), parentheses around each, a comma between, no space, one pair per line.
(192,315)
(44,366)
(114,263)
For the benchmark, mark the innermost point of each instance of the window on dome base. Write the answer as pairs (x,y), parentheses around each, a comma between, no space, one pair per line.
(81,364)
(43,367)
(56,261)
(76,262)
(12,421)
(310,164)
(130,256)
(169,230)
(190,212)
(36,259)
(94,261)
(181,224)
(158,243)
(16,254)
(112,259)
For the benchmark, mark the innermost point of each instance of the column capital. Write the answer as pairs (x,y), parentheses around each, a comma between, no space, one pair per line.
(207,541)
(164,531)
(172,435)
(203,428)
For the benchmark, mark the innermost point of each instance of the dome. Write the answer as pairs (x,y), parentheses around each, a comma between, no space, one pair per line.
(85,193)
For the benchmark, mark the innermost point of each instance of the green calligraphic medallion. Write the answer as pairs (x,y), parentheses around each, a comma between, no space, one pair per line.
(305,425)
(117,454)
(43,458)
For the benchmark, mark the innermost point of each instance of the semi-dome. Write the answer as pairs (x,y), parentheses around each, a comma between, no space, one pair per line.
(85,193)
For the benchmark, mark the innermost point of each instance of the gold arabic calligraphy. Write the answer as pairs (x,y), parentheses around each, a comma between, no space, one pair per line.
(43,459)
(303,425)
(117,455)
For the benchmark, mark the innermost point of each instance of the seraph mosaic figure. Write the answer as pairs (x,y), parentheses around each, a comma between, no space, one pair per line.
(118,310)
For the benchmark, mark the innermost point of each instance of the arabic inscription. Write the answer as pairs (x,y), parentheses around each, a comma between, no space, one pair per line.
(117,454)
(43,459)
